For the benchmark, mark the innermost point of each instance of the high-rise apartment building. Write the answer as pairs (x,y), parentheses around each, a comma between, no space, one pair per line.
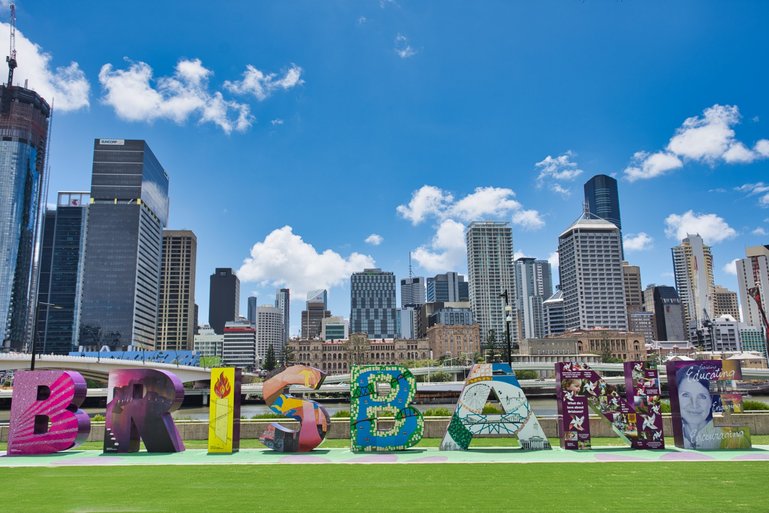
(176,313)
(224,298)
(490,270)
(314,313)
(283,303)
(753,273)
(555,318)
(448,287)
(373,307)
(533,285)
(412,291)
(23,143)
(269,332)
(590,268)
(725,302)
(239,344)
(61,271)
(124,243)
(251,310)
(602,200)
(664,303)
(334,328)
(631,275)
(693,270)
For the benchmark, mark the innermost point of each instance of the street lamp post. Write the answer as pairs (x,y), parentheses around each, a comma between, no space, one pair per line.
(34,330)
(508,319)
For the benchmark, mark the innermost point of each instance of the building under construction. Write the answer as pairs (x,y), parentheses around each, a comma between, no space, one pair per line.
(24,116)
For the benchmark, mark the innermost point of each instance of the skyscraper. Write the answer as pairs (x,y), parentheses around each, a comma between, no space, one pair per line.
(447,287)
(61,266)
(664,303)
(372,303)
(693,270)
(252,310)
(591,275)
(224,298)
(283,303)
(24,139)
(631,275)
(269,332)
(725,302)
(176,315)
(753,272)
(490,270)
(314,313)
(412,291)
(555,321)
(602,199)
(533,285)
(126,217)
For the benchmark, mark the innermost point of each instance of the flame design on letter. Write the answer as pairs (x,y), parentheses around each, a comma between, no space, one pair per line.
(222,387)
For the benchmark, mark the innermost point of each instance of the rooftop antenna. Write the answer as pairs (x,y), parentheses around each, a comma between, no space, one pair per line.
(411,274)
(11,59)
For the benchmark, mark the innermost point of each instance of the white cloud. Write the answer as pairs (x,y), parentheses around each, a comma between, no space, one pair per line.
(731,267)
(528,219)
(759,189)
(709,139)
(447,250)
(484,202)
(276,122)
(425,202)
(261,85)
(760,231)
(553,170)
(402,47)
(519,254)
(645,165)
(374,239)
(284,259)
(362,20)
(554,260)
(637,242)
(712,228)
(64,86)
(136,96)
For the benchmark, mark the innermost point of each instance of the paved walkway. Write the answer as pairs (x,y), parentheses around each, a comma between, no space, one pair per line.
(345,456)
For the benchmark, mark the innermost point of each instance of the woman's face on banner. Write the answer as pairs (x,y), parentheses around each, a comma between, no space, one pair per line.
(695,401)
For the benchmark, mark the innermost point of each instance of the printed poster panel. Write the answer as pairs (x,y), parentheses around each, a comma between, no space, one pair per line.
(224,411)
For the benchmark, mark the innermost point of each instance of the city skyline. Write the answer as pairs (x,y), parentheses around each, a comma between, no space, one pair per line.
(390,135)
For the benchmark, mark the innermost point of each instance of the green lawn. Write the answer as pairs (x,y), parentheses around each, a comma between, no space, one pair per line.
(551,488)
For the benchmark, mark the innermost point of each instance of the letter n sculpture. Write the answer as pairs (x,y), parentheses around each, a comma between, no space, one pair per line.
(635,418)
(383,390)
(44,413)
(469,419)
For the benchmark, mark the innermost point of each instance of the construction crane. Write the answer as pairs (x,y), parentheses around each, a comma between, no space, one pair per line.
(11,59)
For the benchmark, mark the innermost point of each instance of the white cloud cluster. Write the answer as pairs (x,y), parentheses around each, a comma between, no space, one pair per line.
(554,170)
(637,242)
(284,259)
(261,85)
(374,239)
(402,47)
(759,189)
(712,228)
(447,250)
(709,139)
(136,95)
(731,267)
(65,86)
(554,260)
(485,202)
(760,231)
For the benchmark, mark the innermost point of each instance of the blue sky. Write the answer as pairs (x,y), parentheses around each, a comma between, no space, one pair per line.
(294,131)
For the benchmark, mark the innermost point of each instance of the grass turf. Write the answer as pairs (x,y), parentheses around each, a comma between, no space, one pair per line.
(551,488)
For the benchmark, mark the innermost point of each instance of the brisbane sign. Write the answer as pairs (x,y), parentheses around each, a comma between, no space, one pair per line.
(46,418)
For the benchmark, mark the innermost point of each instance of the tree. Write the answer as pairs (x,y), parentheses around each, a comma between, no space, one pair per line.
(526,374)
(287,358)
(269,359)
(491,345)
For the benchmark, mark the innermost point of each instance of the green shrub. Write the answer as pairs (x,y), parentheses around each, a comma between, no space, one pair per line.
(341,414)
(490,409)
(751,404)
(98,418)
(270,415)
(437,412)
(665,406)
(526,374)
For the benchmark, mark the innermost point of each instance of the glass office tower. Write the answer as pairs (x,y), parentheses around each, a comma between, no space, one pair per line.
(23,141)
(126,217)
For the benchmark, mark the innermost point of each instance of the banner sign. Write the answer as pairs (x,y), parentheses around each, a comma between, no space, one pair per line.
(697,391)
(224,411)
